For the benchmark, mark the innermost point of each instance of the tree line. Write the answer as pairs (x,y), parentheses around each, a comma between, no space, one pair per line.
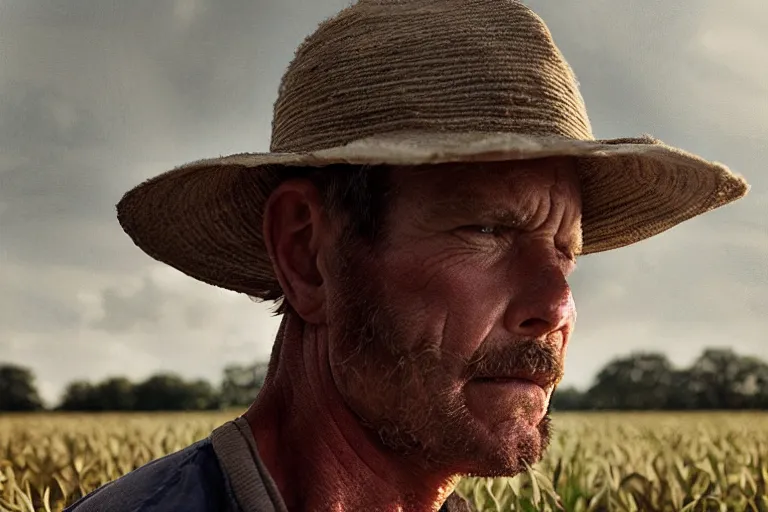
(717,379)
(161,392)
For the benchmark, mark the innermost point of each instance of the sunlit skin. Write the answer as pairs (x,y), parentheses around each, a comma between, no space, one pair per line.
(377,401)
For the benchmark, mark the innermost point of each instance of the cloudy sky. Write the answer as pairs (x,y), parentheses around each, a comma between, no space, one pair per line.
(98,95)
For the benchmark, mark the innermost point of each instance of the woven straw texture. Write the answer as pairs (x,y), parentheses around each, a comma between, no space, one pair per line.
(410,82)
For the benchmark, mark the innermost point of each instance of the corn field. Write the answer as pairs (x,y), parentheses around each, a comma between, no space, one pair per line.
(597,461)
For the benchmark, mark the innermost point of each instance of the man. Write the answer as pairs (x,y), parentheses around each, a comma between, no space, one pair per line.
(432,180)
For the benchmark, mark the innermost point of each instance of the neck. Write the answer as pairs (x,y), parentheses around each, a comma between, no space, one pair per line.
(315,449)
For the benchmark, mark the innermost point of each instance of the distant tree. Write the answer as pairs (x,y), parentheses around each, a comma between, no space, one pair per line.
(755,382)
(569,399)
(114,394)
(202,396)
(639,381)
(241,384)
(721,379)
(761,397)
(680,396)
(17,389)
(79,396)
(160,392)
(169,392)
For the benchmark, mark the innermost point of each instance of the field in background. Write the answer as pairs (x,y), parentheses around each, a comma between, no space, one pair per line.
(597,461)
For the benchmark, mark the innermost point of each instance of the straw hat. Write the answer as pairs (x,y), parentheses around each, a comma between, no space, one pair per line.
(408,82)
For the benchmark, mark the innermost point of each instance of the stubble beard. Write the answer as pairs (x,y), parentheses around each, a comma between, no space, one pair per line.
(407,397)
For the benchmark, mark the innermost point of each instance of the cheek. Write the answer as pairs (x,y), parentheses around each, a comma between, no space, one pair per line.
(454,301)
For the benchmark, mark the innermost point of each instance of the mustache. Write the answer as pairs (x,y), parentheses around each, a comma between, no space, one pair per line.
(539,360)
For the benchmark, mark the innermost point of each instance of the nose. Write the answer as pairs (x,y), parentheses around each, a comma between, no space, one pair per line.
(542,303)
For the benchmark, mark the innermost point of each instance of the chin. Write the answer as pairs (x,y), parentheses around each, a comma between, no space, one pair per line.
(509,447)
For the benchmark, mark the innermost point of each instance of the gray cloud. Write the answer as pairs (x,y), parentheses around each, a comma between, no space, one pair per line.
(123,312)
(96,97)
(50,316)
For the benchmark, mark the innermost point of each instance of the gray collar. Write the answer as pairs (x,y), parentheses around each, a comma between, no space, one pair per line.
(254,489)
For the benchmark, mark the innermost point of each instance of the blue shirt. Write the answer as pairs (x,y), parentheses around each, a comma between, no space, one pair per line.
(222,473)
(190,479)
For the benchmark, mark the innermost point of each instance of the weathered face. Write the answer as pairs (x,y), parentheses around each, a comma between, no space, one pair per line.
(449,340)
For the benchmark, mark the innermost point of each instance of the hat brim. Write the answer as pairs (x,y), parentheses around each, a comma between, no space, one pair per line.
(205,218)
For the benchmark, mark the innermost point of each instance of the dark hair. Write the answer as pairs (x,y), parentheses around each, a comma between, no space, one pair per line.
(360,196)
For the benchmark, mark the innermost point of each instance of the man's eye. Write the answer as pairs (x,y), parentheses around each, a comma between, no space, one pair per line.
(485,230)
(488,230)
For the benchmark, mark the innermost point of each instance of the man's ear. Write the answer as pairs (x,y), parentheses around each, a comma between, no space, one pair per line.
(295,229)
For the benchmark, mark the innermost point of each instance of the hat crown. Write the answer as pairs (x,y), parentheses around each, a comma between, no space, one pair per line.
(383,66)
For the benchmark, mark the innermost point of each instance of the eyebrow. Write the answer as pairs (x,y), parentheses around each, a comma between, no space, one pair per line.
(470,208)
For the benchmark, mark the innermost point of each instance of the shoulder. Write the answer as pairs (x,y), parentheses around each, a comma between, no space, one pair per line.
(189,480)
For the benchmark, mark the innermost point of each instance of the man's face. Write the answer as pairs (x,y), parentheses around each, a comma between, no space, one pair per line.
(447,341)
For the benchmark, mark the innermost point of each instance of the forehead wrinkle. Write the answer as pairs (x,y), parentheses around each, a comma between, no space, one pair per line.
(569,212)
(468,206)
(452,191)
